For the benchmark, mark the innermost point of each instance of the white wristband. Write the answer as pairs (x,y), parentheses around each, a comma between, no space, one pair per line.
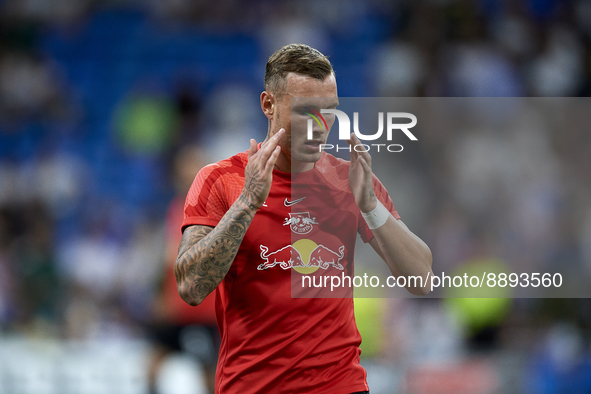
(377,217)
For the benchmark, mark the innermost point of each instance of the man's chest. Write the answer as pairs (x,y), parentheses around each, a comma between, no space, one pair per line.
(304,227)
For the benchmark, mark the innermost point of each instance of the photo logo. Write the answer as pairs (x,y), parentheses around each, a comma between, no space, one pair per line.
(345,129)
(317,115)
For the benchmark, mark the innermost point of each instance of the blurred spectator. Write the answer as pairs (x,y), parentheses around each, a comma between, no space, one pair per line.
(61,11)
(291,22)
(146,123)
(476,70)
(189,104)
(177,326)
(39,285)
(558,70)
(399,70)
(561,365)
(31,290)
(29,88)
(7,279)
(100,291)
(232,114)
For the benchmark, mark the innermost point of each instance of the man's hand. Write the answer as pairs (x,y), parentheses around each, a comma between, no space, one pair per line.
(206,253)
(360,177)
(404,253)
(259,170)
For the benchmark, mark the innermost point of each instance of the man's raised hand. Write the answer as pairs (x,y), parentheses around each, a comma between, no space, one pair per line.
(360,177)
(259,170)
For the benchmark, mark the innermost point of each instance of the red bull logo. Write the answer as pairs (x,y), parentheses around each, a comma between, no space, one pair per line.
(323,257)
(300,223)
(304,256)
(286,257)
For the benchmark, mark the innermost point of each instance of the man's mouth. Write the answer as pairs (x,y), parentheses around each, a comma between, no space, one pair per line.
(313,145)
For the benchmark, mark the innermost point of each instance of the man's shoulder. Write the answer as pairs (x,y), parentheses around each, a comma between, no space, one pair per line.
(231,165)
(224,176)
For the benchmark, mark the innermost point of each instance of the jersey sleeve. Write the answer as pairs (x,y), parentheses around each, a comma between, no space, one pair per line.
(206,201)
(384,197)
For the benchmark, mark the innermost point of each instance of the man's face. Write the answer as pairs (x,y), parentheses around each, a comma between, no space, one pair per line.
(303,96)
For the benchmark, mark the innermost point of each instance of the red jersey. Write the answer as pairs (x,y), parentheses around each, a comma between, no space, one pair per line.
(272,342)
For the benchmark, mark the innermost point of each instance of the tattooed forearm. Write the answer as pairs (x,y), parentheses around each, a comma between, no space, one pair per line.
(206,253)
(253,187)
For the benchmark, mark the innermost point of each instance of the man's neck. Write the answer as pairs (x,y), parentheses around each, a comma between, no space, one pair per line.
(287,164)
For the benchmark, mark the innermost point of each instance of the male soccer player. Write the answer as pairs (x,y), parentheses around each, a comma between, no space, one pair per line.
(281,209)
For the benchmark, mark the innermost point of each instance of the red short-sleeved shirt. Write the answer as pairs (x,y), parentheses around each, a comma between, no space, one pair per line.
(271,341)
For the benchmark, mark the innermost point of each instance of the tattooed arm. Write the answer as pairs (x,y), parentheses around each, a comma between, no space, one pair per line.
(206,253)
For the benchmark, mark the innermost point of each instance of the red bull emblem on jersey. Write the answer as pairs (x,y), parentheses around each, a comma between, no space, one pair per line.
(286,257)
(323,257)
(300,223)
(289,257)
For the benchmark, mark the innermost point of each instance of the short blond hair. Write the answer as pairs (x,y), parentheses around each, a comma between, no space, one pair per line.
(297,58)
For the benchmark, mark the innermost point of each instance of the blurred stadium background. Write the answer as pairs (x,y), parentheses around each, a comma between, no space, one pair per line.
(108,109)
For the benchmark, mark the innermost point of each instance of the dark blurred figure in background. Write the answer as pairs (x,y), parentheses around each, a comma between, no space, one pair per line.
(32,289)
(177,326)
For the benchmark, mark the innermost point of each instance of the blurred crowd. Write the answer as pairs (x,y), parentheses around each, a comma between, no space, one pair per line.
(109,108)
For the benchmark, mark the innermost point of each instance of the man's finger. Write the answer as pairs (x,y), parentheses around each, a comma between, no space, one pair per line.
(362,152)
(272,160)
(270,145)
(365,165)
(353,154)
(365,154)
(252,149)
(352,141)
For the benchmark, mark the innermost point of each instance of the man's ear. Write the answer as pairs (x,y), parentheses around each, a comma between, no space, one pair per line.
(268,104)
